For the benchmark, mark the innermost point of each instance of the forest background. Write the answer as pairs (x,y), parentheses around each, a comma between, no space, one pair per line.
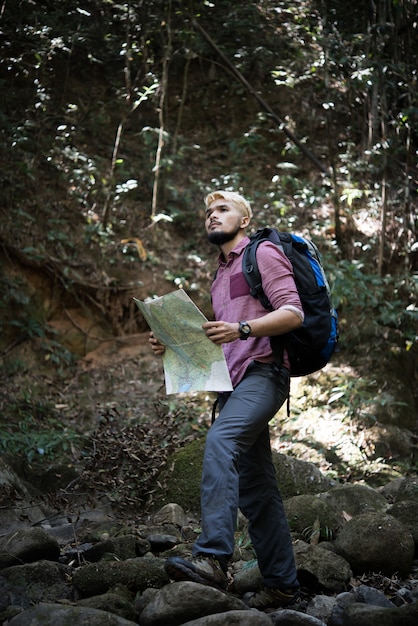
(116,119)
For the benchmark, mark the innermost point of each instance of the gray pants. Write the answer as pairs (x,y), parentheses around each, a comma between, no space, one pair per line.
(238,472)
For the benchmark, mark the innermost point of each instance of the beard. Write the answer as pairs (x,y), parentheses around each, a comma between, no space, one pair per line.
(218,238)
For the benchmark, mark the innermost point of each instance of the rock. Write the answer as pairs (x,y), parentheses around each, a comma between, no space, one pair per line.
(118,548)
(391,489)
(374,597)
(364,615)
(171,513)
(406,511)
(362,594)
(403,489)
(122,548)
(388,441)
(27,546)
(43,581)
(181,479)
(364,606)
(305,512)
(20,510)
(342,601)
(349,500)
(160,542)
(134,574)
(61,615)
(321,607)
(407,594)
(376,542)
(111,603)
(297,477)
(247,579)
(321,568)
(232,618)
(288,617)
(317,569)
(182,602)
(136,588)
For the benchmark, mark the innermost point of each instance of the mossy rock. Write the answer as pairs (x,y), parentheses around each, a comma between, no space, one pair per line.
(296,477)
(310,517)
(354,499)
(180,481)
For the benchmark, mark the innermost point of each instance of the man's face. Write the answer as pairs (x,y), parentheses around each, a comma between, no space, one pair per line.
(223,221)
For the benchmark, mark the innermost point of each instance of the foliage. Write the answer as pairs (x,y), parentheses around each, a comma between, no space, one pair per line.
(343,60)
(19,314)
(373,300)
(316,533)
(357,398)
(32,430)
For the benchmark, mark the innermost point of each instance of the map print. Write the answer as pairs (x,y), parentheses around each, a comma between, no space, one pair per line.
(191,361)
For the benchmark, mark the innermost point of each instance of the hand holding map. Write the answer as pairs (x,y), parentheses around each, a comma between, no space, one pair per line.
(191,361)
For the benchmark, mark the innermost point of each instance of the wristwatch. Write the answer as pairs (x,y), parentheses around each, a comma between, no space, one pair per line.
(244,330)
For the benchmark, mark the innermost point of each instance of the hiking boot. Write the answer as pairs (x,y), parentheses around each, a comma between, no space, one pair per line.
(205,570)
(270,598)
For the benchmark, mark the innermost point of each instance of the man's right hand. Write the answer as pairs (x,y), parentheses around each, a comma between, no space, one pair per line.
(157,347)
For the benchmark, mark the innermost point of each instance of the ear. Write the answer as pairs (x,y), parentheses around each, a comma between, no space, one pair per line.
(245,220)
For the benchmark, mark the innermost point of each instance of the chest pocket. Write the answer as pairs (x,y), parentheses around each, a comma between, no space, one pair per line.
(238,286)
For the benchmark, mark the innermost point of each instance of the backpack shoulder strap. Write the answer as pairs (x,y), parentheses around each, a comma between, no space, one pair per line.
(250,266)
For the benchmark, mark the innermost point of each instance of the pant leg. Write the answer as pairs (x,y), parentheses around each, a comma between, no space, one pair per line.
(261,503)
(243,417)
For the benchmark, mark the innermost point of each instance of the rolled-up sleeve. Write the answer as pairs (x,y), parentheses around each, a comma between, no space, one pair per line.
(278,279)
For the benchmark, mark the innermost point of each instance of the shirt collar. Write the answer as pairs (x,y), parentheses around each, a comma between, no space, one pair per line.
(235,251)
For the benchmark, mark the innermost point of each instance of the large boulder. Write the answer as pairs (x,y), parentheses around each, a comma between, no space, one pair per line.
(181,602)
(311,518)
(289,617)
(134,574)
(364,615)
(43,581)
(353,499)
(388,441)
(320,568)
(26,546)
(233,618)
(317,569)
(298,477)
(60,615)
(406,511)
(376,542)
(407,489)
(180,482)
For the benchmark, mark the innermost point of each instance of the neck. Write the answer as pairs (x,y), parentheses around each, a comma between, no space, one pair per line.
(230,245)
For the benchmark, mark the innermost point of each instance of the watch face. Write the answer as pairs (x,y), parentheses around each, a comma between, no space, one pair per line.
(244,329)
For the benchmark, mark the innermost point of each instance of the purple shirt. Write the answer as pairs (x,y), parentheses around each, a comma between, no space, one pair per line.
(232,301)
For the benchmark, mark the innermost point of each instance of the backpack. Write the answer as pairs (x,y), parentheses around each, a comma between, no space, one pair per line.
(310,346)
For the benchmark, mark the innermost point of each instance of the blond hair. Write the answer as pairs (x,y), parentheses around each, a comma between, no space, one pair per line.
(239,201)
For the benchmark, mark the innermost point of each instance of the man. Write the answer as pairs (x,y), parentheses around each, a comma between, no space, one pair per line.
(238,471)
